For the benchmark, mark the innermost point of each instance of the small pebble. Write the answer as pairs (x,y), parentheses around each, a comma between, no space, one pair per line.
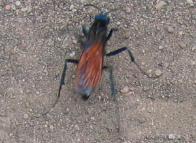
(26,116)
(161,47)
(67,110)
(72,54)
(71,7)
(13,7)
(91,126)
(182,45)
(118,23)
(194,16)
(170,29)
(181,33)
(158,72)
(7,7)
(145,88)
(180,81)
(127,34)
(99,98)
(51,127)
(74,41)
(93,118)
(125,89)
(24,9)
(73,76)
(82,1)
(18,3)
(171,136)
(178,136)
(194,48)
(77,127)
(128,9)
(149,71)
(193,63)
(142,63)
(160,4)
(190,2)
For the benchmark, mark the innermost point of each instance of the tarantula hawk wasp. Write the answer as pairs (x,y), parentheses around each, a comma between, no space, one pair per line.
(90,66)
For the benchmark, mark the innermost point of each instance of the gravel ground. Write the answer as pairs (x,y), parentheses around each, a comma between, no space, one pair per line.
(37,35)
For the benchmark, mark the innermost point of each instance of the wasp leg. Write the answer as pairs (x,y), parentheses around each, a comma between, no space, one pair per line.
(62,82)
(85,31)
(112,82)
(110,33)
(118,51)
(113,93)
(65,68)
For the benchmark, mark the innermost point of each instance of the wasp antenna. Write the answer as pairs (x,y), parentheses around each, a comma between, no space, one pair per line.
(93,6)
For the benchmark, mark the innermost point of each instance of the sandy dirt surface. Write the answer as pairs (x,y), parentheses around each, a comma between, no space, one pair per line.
(37,35)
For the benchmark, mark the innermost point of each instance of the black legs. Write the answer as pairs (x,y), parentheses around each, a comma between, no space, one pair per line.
(112,82)
(62,81)
(110,33)
(118,51)
(85,31)
(65,68)
(109,68)
(113,93)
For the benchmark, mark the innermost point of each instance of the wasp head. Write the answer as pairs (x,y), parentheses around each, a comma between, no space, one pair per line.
(102,18)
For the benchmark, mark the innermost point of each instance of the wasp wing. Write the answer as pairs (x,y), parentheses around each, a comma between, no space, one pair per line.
(89,70)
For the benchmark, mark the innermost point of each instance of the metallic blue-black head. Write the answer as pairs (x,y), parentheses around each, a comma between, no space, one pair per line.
(102,18)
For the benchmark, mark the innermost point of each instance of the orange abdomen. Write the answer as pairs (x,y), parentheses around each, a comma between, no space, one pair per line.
(89,70)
